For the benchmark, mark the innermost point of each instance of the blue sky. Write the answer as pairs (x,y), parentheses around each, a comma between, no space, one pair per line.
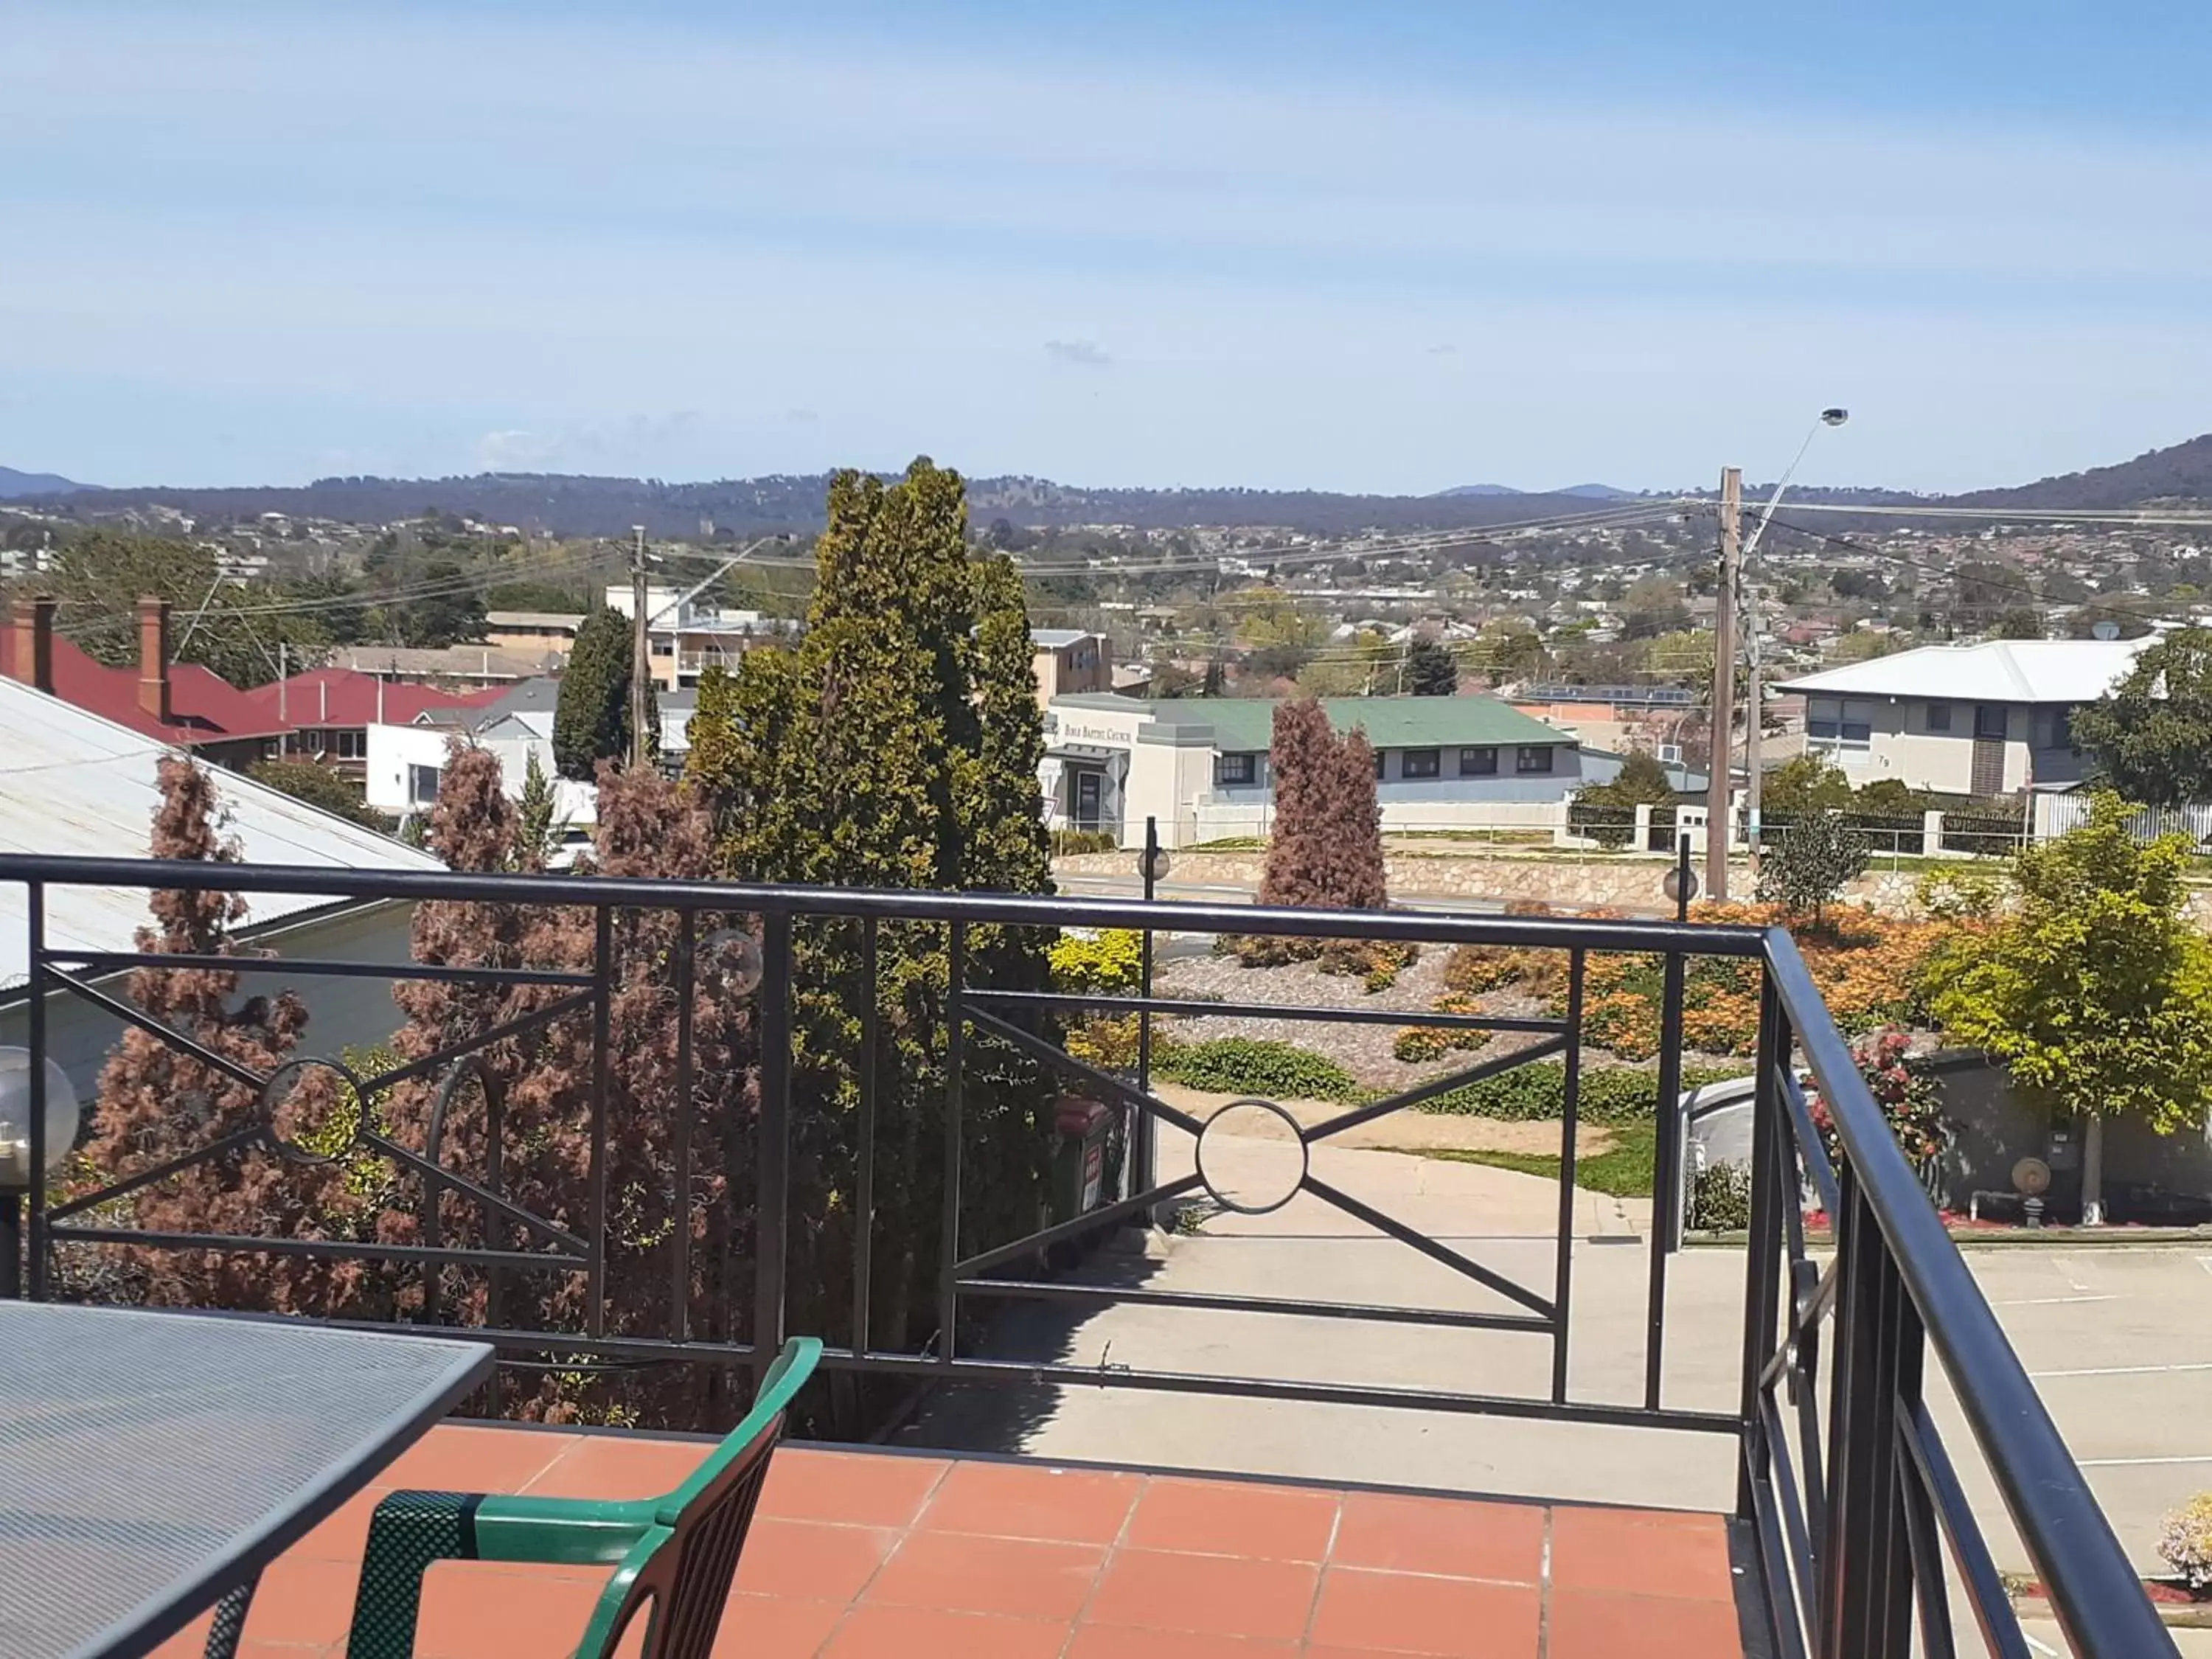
(1378,246)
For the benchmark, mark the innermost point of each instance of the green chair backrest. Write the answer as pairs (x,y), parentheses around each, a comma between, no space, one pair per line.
(679,1574)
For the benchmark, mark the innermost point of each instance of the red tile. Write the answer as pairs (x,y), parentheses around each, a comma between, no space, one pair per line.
(1208,1594)
(345,1536)
(812,1560)
(886,1632)
(1233,1517)
(770,1627)
(1121,1642)
(618,1466)
(1021,1500)
(189,1643)
(1641,1553)
(1404,1613)
(301,1601)
(1454,1537)
(470,1608)
(1586,1626)
(1015,1577)
(454,1457)
(863,1490)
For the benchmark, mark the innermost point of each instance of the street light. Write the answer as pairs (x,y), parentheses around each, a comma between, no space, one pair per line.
(1754,712)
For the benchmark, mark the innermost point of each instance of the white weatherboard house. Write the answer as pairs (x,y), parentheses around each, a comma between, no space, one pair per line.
(1199,765)
(71,782)
(1985,720)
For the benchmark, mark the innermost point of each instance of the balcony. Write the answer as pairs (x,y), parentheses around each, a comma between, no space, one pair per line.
(1389,1406)
(918,1556)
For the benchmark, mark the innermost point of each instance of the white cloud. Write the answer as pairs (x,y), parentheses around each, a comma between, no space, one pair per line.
(1087,353)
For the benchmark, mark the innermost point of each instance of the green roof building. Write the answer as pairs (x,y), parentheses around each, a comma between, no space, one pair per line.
(1199,765)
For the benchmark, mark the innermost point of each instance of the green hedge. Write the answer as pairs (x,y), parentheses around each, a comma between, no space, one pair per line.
(1252,1065)
(1534,1092)
(1538,1092)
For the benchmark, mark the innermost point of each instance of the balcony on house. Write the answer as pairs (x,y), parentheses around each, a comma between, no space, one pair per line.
(1406,1407)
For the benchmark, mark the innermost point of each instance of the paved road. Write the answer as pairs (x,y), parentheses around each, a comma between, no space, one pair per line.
(2119,1341)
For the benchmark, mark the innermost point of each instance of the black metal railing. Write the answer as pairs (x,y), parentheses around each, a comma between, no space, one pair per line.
(1847,1492)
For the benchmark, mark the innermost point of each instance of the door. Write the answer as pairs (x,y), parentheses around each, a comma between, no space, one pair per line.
(1087,787)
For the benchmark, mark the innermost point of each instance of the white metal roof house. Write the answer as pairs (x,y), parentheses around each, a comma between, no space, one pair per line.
(1990,719)
(72,782)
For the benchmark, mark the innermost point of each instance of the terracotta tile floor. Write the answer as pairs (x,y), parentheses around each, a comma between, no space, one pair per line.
(857,1554)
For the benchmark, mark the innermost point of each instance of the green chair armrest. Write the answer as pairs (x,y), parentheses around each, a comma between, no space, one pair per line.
(412,1530)
(573,1532)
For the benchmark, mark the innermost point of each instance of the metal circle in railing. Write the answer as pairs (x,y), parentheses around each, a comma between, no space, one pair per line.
(312,1109)
(729,961)
(1251,1157)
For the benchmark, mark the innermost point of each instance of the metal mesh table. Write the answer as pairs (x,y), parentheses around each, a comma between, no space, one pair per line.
(149,1462)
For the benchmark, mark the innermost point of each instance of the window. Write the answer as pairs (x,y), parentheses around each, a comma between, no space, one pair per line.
(1478,762)
(352,743)
(1844,724)
(1939,717)
(1533,758)
(1378,766)
(1235,769)
(1420,764)
(421,785)
(1989,721)
(2054,728)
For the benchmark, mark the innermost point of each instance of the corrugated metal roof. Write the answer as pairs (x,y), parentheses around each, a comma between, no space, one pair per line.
(1994,671)
(1248,724)
(73,783)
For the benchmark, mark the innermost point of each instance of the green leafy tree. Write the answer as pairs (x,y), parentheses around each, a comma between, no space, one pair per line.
(1431,671)
(539,823)
(1807,783)
(320,786)
(2150,736)
(2094,990)
(591,721)
(2018,624)
(1606,813)
(1816,858)
(896,746)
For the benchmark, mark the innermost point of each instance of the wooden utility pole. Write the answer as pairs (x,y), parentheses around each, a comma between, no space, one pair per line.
(1722,748)
(641,655)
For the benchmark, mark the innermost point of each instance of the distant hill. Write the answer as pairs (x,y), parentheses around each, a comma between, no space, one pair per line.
(2180,472)
(565,504)
(13,483)
(575,505)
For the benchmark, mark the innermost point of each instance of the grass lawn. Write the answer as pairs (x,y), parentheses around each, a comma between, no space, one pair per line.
(1623,1170)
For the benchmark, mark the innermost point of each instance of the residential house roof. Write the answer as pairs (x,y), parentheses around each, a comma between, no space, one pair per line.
(1248,724)
(204,707)
(73,782)
(554,619)
(457,662)
(1054,639)
(344,696)
(1993,671)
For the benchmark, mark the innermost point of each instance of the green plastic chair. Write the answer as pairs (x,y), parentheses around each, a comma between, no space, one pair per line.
(675,1557)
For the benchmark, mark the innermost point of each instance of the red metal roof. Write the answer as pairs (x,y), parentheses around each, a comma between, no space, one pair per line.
(345,696)
(204,707)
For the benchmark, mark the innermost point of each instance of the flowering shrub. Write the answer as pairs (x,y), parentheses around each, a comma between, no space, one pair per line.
(2185,1541)
(1907,1099)
(1417,1042)
(1107,962)
(1870,969)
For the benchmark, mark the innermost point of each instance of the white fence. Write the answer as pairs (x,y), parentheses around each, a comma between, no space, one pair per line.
(2055,814)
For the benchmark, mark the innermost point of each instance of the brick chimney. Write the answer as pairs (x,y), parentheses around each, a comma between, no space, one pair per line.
(34,643)
(154,659)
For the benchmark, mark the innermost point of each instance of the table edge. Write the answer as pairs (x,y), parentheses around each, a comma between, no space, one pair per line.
(154,1621)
